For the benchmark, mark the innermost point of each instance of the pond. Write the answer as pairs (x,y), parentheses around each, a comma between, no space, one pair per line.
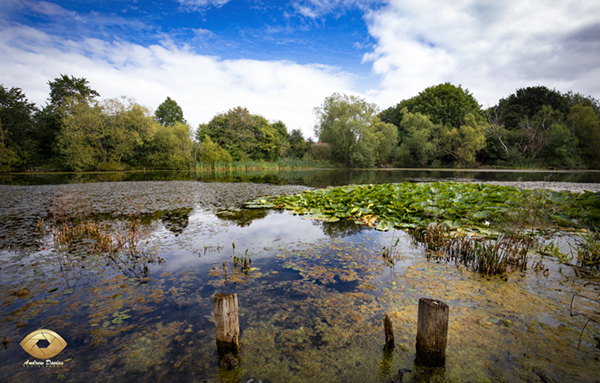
(311,301)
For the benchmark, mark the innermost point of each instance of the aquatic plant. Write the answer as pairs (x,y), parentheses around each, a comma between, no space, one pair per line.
(408,205)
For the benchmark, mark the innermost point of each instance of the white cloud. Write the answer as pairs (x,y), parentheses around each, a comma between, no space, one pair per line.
(492,48)
(202,85)
(194,5)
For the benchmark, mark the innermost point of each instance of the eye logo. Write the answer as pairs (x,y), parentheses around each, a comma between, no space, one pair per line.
(55,344)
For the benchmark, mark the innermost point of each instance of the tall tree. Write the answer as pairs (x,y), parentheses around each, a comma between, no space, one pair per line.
(169,113)
(96,135)
(464,142)
(17,129)
(444,104)
(346,123)
(528,102)
(49,118)
(169,148)
(245,135)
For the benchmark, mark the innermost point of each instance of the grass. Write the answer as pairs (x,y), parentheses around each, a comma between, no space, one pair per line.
(280,164)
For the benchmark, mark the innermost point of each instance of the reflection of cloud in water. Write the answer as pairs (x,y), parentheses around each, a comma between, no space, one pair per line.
(261,237)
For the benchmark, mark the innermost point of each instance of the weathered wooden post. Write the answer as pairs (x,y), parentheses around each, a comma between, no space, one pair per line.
(388,328)
(228,329)
(432,332)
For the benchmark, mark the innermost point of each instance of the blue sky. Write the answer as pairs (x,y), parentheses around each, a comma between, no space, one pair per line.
(281,59)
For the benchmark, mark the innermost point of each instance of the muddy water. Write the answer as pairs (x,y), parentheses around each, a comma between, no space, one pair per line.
(311,307)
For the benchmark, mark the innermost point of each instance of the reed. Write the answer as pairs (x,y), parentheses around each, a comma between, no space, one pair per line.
(489,256)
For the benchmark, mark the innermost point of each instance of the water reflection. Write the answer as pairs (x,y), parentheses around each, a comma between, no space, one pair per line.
(310,308)
(313,178)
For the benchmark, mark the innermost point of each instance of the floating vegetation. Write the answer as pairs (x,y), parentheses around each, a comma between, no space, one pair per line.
(408,205)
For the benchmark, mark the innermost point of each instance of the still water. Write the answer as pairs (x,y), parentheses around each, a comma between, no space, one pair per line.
(311,303)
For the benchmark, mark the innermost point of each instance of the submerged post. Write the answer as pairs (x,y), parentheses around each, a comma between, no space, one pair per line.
(432,332)
(228,329)
(388,328)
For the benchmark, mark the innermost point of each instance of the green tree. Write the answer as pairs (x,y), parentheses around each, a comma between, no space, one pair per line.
(444,104)
(246,136)
(96,135)
(17,129)
(526,103)
(420,145)
(210,153)
(298,145)
(386,136)
(169,113)
(169,148)
(585,129)
(535,131)
(49,118)
(233,131)
(346,123)
(464,142)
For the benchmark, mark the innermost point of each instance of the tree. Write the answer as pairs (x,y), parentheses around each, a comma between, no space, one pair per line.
(298,145)
(49,119)
(420,145)
(210,153)
(464,142)
(246,136)
(386,136)
(346,123)
(17,129)
(169,113)
(169,148)
(585,128)
(96,135)
(444,104)
(535,131)
(526,103)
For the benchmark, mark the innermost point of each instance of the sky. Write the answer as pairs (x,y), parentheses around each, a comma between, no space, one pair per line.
(281,59)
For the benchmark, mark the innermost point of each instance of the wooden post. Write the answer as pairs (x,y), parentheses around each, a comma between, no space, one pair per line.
(389,333)
(432,332)
(228,328)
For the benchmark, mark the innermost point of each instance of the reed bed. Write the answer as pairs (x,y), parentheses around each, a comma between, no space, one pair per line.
(489,256)
(280,164)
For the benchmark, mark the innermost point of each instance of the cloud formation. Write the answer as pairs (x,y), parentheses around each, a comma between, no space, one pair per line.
(195,5)
(202,85)
(492,48)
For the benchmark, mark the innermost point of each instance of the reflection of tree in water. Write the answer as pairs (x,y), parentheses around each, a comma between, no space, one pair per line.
(339,229)
(176,220)
(242,217)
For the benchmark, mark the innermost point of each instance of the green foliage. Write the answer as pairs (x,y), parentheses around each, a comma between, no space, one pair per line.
(17,130)
(420,145)
(464,142)
(298,146)
(585,128)
(409,205)
(210,152)
(49,119)
(528,102)
(169,113)
(96,133)
(246,136)
(169,148)
(444,104)
(348,125)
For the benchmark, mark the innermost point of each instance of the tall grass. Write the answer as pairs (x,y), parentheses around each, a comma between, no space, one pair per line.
(280,164)
(488,256)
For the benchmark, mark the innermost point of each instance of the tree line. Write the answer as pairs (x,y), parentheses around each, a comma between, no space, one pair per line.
(77,131)
(442,126)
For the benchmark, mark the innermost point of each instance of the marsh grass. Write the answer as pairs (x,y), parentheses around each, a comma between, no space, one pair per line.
(75,236)
(280,164)
(489,256)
